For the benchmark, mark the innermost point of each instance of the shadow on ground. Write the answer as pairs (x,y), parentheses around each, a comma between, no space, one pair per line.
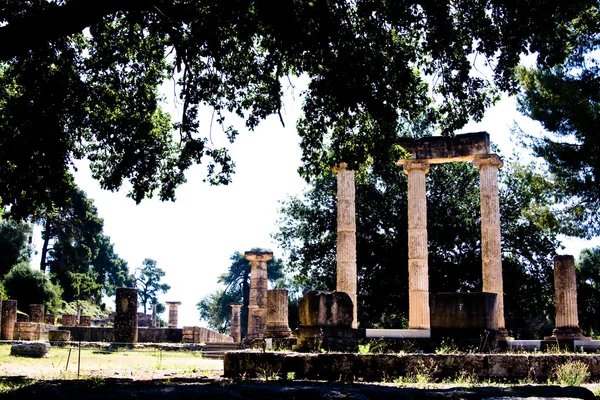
(107,389)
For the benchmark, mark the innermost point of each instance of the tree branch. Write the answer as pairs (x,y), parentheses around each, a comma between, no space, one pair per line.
(36,28)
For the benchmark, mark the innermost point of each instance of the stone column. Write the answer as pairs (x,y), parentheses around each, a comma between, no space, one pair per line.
(346,236)
(68,320)
(236,322)
(277,314)
(173,313)
(36,313)
(565,286)
(257,307)
(491,252)
(418,272)
(9,318)
(154,321)
(50,319)
(85,320)
(126,318)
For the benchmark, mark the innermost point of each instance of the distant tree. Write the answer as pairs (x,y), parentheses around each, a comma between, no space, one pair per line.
(588,290)
(215,308)
(566,101)
(80,256)
(14,243)
(147,280)
(29,286)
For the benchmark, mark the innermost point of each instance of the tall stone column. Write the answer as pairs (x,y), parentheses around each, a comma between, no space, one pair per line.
(126,318)
(257,306)
(491,252)
(418,272)
(173,313)
(277,313)
(565,286)
(346,236)
(236,322)
(154,320)
(9,318)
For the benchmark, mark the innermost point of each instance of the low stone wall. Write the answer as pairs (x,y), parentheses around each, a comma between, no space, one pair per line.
(145,335)
(159,335)
(379,367)
(31,331)
(197,334)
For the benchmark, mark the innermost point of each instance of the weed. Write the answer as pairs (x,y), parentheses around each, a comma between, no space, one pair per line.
(447,347)
(268,374)
(291,376)
(572,373)
(7,385)
(466,379)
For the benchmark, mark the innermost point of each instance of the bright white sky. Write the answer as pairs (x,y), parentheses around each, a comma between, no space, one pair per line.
(192,239)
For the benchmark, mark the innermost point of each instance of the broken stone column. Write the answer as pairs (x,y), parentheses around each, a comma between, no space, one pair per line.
(36,313)
(346,236)
(50,319)
(491,252)
(85,320)
(257,307)
(154,320)
(236,322)
(565,286)
(68,320)
(277,314)
(126,318)
(173,313)
(9,318)
(418,273)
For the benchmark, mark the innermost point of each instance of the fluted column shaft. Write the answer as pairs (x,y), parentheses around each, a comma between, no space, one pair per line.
(346,237)
(418,273)
(257,305)
(236,325)
(565,287)
(491,251)
(173,313)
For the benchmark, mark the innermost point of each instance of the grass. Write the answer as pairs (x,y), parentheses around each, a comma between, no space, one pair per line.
(572,373)
(139,364)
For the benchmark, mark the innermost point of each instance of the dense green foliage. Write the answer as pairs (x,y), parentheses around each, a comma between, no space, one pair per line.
(14,243)
(588,290)
(148,283)
(215,308)
(29,286)
(566,101)
(84,83)
(307,229)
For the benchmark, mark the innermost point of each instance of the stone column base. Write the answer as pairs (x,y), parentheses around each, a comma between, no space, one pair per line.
(566,334)
(277,331)
(315,339)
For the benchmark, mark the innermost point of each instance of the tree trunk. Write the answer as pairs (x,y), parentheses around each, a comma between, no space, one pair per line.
(45,246)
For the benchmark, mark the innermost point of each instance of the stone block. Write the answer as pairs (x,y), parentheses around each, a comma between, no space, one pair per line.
(36,349)
(59,336)
(326,309)
(463,315)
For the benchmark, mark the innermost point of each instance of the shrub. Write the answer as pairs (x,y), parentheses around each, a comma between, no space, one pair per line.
(572,373)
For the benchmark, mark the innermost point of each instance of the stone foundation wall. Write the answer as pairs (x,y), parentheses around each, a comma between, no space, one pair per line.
(197,334)
(31,331)
(379,367)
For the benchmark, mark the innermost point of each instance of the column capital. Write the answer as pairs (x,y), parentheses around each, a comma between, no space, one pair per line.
(258,256)
(236,305)
(488,159)
(410,165)
(173,303)
(340,167)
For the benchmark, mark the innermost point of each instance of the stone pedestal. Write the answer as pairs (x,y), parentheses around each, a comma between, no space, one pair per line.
(68,320)
(85,320)
(277,314)
(173,313)
(326,323)
(257,307)
(36,313)
(491,253)
(346,237)
(418,271)
(9,318)
(236,322)
(126,318)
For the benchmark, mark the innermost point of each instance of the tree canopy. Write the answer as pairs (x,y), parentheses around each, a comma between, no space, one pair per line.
(307,230)
(85,83)
(148,283)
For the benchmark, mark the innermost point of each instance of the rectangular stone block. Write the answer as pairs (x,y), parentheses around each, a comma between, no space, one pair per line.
(475,312)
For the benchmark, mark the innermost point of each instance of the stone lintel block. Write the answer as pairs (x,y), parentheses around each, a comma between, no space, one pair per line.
(464,311)
(35,349)
(326,309)
(438,149)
